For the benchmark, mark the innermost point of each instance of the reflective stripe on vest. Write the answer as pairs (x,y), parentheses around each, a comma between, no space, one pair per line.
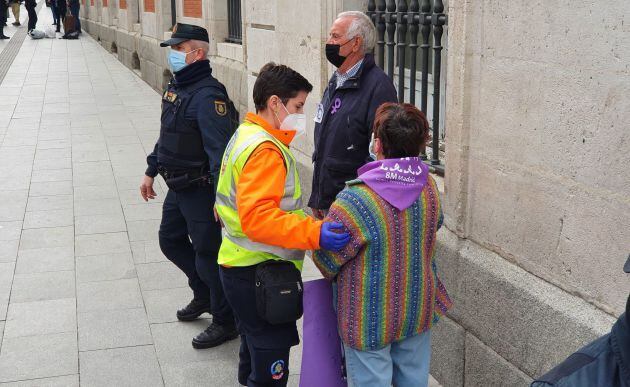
(237,249)
(288,254)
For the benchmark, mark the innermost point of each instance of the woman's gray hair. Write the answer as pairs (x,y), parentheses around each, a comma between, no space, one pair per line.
(362,26)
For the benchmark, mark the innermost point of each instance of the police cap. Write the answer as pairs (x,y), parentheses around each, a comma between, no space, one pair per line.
(183,32)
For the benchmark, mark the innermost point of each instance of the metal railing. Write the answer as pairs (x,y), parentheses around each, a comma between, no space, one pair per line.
(399,24)
(235,29)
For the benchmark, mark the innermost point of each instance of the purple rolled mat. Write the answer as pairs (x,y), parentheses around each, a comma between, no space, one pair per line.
(321,351)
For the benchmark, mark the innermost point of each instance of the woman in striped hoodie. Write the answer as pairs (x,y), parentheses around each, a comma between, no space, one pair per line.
(388,292)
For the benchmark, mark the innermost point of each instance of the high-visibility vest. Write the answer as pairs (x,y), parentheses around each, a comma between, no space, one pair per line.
(236,248)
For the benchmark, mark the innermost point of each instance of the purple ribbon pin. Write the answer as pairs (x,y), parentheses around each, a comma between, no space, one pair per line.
(336,105)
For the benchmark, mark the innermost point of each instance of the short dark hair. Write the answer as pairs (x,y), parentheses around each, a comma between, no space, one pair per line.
(402,129)
(280,80)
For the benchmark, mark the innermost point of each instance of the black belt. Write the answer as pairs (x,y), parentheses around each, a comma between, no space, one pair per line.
(177,179)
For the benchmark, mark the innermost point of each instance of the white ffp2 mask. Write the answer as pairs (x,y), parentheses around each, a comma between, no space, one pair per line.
(295,122)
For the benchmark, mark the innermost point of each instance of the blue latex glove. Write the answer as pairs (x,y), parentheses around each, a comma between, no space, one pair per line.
(330,239)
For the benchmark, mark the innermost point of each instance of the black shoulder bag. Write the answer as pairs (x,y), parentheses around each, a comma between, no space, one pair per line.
(278,292)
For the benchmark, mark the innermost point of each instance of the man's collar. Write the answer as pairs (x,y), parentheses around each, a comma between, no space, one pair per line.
(352,71)
(366,65)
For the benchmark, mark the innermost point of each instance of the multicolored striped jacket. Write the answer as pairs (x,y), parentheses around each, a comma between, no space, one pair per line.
(388,287)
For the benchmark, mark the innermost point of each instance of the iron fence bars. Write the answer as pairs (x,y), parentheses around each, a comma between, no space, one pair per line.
(235,31)
(413,20)
(425,20)
(378,15)
(399,24)
(401,21)
(390,17)
(438,20)
(173,13)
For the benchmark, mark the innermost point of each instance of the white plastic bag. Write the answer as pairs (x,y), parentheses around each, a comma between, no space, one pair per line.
(50,32)
(37,34)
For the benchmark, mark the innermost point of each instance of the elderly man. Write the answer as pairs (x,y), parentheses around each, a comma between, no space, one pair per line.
(343,122)
(197,123)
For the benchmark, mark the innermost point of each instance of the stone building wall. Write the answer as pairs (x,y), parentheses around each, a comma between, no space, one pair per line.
(537,188)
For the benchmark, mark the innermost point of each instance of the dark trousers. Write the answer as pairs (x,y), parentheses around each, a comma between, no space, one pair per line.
(190,238)
(32,14)
(74,11)
(264,352)
(53,9)
(3,13)
(60,7)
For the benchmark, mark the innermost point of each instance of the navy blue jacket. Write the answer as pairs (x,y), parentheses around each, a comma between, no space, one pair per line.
(204,112)
(603,363)
(343,136)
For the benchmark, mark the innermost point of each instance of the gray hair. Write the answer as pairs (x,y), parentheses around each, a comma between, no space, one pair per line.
(362,26)
(198,44)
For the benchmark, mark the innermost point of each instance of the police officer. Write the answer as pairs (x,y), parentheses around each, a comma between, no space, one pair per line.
(603,362)
(197,123)
(259,200)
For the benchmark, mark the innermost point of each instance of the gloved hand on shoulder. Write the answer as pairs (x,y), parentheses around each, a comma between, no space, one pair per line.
(332,237)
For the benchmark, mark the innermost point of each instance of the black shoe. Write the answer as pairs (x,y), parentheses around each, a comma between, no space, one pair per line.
(214,335)
(193,310)
(17,23)
(4,37)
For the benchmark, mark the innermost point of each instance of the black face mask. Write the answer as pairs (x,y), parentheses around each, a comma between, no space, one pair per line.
(332,54)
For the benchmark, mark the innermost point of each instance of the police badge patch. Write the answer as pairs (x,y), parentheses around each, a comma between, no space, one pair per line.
(169,96)
(277,370)
(220,107)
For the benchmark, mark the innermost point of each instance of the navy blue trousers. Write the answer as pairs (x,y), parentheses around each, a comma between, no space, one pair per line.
(190,238)
(264,352)
(74,11)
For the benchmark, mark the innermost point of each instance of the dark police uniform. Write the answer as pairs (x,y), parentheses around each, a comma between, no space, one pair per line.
(196,125)
(603,363)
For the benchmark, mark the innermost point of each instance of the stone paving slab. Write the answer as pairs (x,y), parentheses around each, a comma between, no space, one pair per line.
(109,295)
(45,260)
(131,366)
(8,250)
(52,285)
(106,267)
(27,318)
(39,356)
(59,381)
(103,329)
